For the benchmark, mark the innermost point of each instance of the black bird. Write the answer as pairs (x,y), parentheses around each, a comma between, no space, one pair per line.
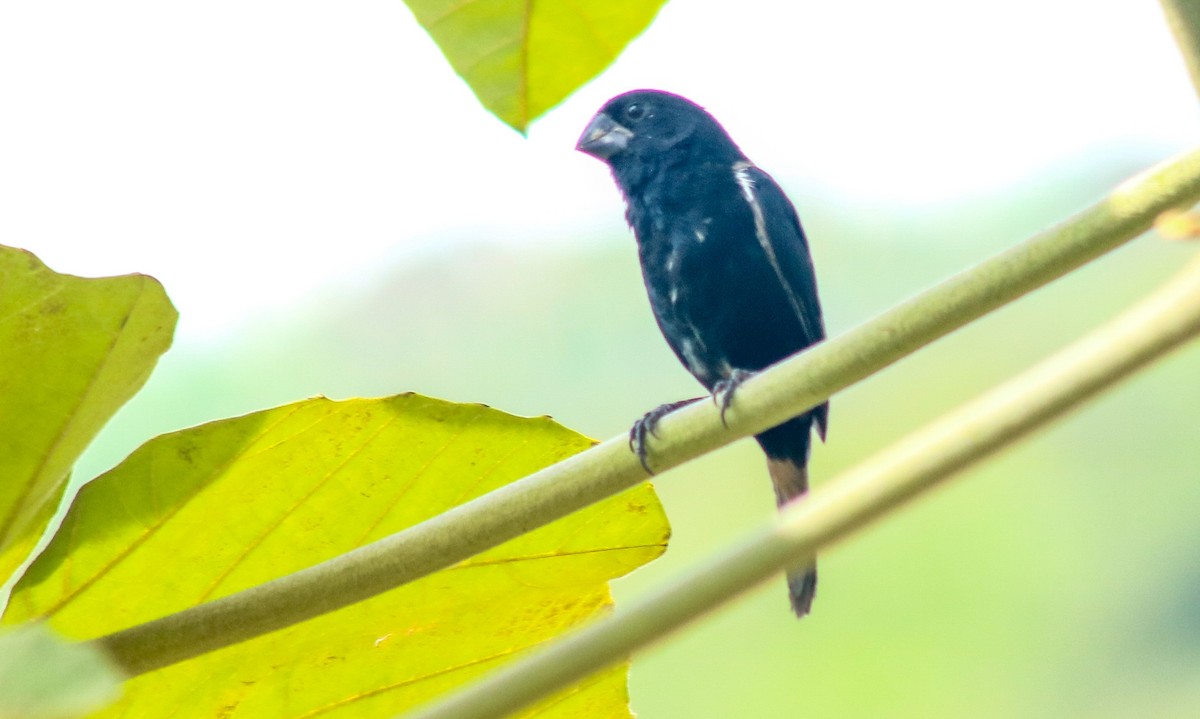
(725,263)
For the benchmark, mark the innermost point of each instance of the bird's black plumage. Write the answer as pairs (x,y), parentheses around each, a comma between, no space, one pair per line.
(725,262)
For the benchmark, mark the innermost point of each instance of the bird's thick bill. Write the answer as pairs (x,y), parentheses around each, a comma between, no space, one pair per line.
(603,137)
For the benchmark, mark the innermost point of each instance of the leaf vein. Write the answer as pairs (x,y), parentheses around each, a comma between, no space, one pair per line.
(289,511)
(473,563)
(150,531)
(408,682)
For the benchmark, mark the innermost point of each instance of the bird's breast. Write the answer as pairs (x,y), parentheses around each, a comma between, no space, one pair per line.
(686,295)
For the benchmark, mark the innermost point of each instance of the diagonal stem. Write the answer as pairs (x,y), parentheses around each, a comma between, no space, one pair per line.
(873,489)
(768,399)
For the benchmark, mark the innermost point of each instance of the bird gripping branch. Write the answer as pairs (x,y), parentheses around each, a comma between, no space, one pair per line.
(725,263)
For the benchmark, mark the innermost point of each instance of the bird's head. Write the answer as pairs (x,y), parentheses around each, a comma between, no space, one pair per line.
(644,128)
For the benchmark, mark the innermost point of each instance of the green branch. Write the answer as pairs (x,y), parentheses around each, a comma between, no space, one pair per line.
(1183,16)
(867,492)
(764,401)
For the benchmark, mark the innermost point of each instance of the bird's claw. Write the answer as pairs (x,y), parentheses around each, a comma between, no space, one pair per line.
(723,390)
(644,428)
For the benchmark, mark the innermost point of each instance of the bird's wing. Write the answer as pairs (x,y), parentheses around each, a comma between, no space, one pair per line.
(778,230)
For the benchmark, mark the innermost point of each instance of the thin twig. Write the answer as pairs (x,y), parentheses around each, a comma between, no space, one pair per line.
(877,487)
(764,401)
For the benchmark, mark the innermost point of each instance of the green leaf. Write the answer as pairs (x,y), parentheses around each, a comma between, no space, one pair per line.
(522,58)
(72,351)
(45,677)
(209,511)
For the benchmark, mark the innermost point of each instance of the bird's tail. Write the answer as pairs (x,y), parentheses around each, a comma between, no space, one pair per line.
(790,478)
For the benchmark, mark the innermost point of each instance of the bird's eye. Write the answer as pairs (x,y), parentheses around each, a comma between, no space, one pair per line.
(635,111)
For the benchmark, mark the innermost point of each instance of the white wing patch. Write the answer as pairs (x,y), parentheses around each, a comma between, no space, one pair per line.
(741,174)
(691,357)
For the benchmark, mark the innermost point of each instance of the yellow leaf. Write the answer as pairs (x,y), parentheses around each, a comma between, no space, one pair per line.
(72,351)
(205,512)
(522,58)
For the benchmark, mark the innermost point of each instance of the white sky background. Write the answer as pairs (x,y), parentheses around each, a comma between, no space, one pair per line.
(251,153)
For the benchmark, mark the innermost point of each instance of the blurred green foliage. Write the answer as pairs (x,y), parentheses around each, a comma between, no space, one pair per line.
(1060,580)
(66,680)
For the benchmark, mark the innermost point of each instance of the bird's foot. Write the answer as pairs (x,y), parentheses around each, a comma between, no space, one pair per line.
(723,390)
(644,428)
